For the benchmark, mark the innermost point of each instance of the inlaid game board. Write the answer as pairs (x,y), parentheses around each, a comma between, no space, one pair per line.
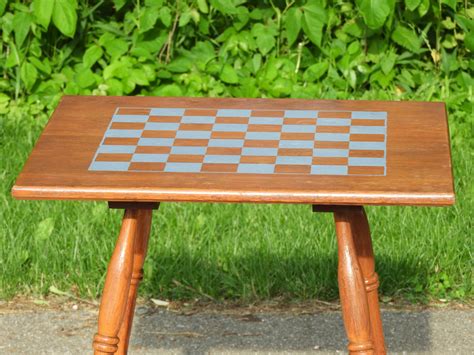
(256,141)
(141,148)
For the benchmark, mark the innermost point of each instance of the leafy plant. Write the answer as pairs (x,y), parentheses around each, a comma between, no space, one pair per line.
(311,49)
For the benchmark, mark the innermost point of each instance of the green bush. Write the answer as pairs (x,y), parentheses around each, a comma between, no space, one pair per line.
(384,49)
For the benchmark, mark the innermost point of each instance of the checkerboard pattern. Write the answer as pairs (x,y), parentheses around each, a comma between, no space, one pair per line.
(244,141)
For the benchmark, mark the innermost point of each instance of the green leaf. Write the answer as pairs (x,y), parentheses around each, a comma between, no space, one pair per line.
(449,61)
(449,42)
(470,12)
(28,75)
(168,90)
(42,65)
(65,17)
(149,70)
(293,24)
(354,28)
(469,41)
(384,80)
(315,71)
(105,38)
(4,99)
(154,3)
(21,26)
(119,4)
(165,16)
(228,75)
(43,10)
(407,38)
(85,78)
(180,65)
(148,19)
(374,12)
(139,77)
(387,62)
(412,4)
(465,23)
(115,48)
(281,87)
(265,42)
(3,5)
(227,7)
(448,24)
(117,69)
(424,7)
(315,17)
(92,55)
(202,5)
(184,18)
(256,62)
(450,3)
(114,87)
(13,58)
(264,38)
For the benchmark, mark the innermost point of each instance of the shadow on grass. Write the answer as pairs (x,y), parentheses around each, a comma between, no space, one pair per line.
(322,329)
(242,276)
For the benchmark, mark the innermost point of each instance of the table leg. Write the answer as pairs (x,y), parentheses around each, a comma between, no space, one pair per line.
(141,244)
(117,285)
(355,308)
(365,256)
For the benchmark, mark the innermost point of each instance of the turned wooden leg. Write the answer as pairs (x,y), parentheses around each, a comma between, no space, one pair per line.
(365,256)
(117,284)
(355,309)
(141,244)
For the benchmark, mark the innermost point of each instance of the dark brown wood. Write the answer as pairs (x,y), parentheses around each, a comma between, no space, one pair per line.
(355,308)
(141,245)
(332,208)
(133,205)
(418,159)
(117,285)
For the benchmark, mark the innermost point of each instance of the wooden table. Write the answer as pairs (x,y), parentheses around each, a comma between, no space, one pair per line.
(334,155)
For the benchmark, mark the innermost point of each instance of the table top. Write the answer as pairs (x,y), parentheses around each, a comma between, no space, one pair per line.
(242,150)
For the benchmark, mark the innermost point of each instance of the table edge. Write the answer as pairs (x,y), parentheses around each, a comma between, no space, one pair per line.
(200,195)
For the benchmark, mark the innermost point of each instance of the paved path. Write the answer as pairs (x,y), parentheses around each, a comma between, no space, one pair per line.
(158,331)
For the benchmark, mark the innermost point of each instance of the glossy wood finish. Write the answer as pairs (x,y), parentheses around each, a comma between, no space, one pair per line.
(141,245)
(352,291)
(418,159)
(117,285)
(365,257)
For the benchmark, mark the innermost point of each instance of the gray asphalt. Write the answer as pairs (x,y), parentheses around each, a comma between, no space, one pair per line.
(158,331)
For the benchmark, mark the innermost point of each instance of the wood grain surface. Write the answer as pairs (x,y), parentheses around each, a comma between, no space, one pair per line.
(417,158)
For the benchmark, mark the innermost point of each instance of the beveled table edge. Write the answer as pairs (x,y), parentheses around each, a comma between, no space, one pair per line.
(201,195)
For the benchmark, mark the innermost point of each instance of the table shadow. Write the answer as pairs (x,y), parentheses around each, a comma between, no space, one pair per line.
(325,331)
(162,331)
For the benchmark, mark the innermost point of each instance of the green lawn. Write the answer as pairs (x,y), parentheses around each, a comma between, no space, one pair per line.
(244,252)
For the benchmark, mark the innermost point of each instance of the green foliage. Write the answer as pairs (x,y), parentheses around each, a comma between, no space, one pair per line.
(375,12)
(419,49)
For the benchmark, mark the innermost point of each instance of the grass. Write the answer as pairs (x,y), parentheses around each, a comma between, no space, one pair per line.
(243,252)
